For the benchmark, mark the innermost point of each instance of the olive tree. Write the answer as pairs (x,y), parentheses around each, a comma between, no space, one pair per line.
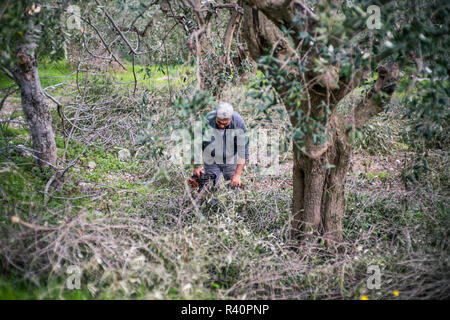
(26,26)
(314,54)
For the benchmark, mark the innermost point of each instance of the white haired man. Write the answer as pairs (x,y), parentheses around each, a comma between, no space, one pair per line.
(225,149)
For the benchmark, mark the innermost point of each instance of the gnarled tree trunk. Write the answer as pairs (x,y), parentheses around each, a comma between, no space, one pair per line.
(33,101)
(318,198)
(319,171)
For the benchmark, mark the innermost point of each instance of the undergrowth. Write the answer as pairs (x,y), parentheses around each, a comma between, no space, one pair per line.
(131,229)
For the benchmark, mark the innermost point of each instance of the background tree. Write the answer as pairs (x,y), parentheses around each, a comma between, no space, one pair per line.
(212,36)
(25,25)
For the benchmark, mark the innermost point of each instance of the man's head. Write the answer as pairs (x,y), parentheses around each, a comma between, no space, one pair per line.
(224,114)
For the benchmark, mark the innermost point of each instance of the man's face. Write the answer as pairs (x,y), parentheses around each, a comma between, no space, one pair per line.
(222,123)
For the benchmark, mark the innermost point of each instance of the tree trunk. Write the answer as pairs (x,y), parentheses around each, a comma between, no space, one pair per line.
(33,100)
(318,196)
(318,175)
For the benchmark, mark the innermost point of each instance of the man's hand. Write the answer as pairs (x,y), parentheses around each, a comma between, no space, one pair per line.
(198,171)
(236,180)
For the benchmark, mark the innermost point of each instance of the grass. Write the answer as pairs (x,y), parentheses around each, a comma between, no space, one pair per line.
(150,77)
(50,73)
(157,74)
(21,290)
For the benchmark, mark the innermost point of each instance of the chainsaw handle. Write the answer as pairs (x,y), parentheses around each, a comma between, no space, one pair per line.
(198,171)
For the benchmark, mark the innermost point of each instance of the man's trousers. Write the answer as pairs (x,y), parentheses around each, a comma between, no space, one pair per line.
(226,169)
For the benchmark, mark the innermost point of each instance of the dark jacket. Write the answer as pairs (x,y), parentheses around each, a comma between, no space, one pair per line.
(236,123)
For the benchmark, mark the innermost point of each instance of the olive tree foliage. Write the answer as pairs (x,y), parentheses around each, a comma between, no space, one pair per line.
(313,54)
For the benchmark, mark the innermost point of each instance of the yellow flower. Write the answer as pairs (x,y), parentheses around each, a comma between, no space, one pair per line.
(364,298)
(396,293)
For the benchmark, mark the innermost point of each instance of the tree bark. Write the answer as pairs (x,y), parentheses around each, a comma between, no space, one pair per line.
(319,185)
(34,106)
(210,65)
(233,23)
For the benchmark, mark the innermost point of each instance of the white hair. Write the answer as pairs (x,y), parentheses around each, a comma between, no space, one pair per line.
(224,110)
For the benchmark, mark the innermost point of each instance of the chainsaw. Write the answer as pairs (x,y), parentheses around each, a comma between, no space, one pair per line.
(200,181)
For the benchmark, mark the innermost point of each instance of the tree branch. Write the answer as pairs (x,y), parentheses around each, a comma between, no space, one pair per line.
(373,103)
(8,72)
(232,23)
(117,28)
(103,41)
(9,91)
(282,12)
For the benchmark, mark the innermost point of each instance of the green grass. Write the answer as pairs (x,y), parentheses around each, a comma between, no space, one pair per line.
(54,72)
(50,73)
(11,289)
(21,179)
(106,161)
(155,76)
(371,176)
(5,82)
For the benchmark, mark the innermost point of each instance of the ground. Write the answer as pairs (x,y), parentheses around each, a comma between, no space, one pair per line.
(132,229)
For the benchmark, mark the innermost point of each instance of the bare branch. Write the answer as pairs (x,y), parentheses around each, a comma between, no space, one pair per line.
(142,33)
(232,24)
(7,72)
(9,91)
(104,42)
(117,28)
(143,11)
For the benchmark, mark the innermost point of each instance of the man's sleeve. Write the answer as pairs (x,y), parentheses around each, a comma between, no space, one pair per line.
(207,133)
(240,124)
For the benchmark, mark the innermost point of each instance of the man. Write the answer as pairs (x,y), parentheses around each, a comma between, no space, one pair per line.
(224,147)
